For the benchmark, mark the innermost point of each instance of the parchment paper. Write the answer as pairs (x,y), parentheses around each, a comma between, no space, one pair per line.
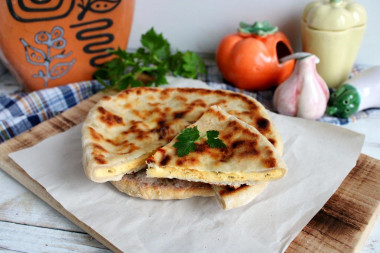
(319,157)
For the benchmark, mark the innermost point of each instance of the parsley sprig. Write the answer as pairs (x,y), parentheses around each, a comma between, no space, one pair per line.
(153,59)
(187,138)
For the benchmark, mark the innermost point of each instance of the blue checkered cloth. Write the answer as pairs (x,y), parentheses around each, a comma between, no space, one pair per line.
(20,111)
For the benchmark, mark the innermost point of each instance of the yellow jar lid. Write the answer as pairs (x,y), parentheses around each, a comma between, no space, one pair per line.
(334,15)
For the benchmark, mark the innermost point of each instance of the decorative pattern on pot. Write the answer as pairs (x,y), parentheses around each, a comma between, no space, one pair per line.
(54,42)
(38,56)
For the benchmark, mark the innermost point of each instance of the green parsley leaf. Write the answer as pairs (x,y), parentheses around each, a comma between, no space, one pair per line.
(213,140)
(212,134)
(187,138)
(156,44)
(154,59)
(186,141)
(184,148)
(189,134)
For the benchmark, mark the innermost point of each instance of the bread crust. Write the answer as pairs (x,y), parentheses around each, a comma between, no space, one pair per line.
(138,185)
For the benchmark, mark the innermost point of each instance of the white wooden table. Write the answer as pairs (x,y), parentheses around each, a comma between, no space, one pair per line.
(27,224)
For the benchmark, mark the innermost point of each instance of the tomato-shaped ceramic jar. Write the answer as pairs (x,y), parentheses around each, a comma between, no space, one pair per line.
(55,42)
(250,59)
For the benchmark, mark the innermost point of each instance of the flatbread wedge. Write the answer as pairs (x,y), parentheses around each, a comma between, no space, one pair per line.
(122,131)
(140,186)
(249,156)
(231,197)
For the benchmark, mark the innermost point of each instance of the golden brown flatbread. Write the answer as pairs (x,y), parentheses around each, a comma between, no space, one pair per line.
(247,158)
(122,131)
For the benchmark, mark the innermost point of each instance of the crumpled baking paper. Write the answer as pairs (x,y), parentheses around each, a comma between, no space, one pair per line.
(319,156)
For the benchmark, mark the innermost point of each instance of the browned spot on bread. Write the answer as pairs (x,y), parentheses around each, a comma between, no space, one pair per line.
(161,132)
(269,162)
(250,134)
(232,124)
(150,160)
(248,148)
(165,93)
(128,106)
(117,142)
(141,135)
(146,89)
(179,115)
(127,148)
(247,100)
(187,160)
(217,154)
(180,98)
(194,90)
(106,98)
(161,123)
(155,104)
(99,159)
(122,94)
(220,115)
(198,103)
(164,131)
(162,151)
(263,124)
(132,129)
(226,154)
(229,190)
(98,148)
(109,118)
(95,135)
(202,147)
(269,152)
(191,161)
(237,143)
(165,160)
(98,153)
(133,147)
(220,102)
(101,110)
(273,141)
(227,137)
(142,114)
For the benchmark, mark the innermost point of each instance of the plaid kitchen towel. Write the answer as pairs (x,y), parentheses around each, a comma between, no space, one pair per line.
(20,111)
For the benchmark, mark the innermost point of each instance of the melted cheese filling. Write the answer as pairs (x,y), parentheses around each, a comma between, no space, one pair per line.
(213,177)
(121,169)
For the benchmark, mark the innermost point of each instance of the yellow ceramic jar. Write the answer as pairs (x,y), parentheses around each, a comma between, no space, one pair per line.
(333,30)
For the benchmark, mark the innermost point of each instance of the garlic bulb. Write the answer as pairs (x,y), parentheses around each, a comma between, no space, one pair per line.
(304,94)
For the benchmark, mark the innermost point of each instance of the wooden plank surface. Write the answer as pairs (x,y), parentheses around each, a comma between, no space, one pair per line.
(40,240)
(341,226)
(347,218)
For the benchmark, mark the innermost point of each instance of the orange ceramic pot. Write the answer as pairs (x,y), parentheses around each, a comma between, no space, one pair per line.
(47,43)
(250,59)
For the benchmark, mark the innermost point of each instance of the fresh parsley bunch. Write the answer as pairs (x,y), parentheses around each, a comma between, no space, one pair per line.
(187,138)
(154,59)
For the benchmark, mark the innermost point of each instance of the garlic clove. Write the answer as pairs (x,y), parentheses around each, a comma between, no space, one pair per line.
(304,94)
